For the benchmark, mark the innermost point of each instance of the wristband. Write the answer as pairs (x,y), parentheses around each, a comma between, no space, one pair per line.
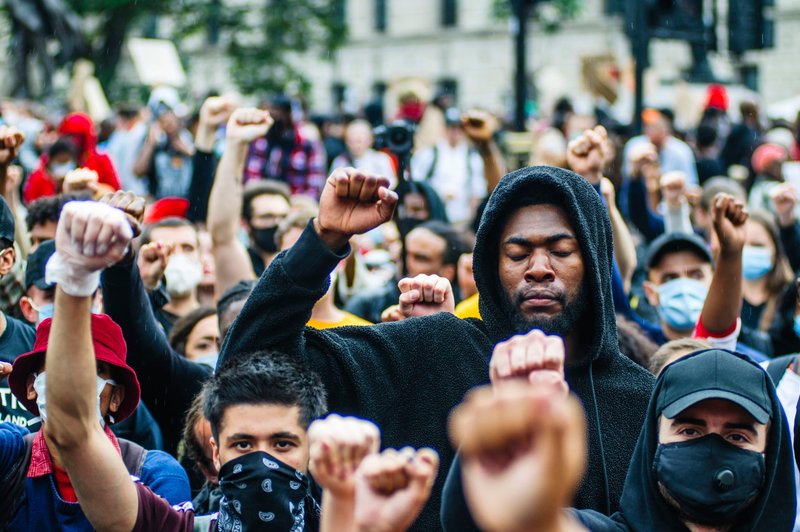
(73,279)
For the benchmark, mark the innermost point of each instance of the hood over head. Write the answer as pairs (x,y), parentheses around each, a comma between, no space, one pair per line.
(774,507)
(80,124)
(586,211)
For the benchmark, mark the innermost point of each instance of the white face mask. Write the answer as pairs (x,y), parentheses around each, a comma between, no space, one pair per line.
(183,275)
(61,170)
(40,385)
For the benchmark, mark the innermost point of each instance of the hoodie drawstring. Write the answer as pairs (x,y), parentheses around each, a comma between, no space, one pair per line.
(600,441)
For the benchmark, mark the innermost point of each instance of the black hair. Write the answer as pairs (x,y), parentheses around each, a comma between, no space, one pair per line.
(183,327)
(172,221)
(5,244)
(235,293)
(62,146)
(264,377)
(260,188)
(48,209)
(455,245)
(706,136)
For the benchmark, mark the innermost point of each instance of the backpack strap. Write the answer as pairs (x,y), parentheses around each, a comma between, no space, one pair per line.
(12,483)
(777,367)
(435,160)
(133,455)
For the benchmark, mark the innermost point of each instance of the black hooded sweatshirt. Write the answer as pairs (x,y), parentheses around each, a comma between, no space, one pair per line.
(407,376)
(644,509)
(614,391)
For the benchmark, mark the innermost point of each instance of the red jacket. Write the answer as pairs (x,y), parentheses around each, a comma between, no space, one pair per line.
(41,184)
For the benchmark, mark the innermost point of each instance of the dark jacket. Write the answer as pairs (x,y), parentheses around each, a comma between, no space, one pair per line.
(613,389)
(644,509)
(169,381)
(407,376)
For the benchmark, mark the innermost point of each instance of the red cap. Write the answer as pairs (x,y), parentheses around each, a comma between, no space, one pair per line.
(166,208)
(765,155)
(717,97)
(109,347)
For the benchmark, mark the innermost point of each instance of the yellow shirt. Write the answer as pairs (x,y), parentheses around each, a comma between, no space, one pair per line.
(468,308)
(347,319)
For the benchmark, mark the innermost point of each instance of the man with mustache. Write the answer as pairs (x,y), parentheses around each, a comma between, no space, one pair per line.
(543,260)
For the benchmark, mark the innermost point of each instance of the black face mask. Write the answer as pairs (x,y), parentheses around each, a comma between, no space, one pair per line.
(259,492)
(264,239)
(712,480)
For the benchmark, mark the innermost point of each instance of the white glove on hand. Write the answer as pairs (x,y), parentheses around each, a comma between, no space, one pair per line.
(90,236)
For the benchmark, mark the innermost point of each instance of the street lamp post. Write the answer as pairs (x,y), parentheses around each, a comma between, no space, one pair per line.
(521,12)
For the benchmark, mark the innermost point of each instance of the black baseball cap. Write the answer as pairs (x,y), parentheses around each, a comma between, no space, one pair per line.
(6,221)
(672,242)
(37,261)
(714,374)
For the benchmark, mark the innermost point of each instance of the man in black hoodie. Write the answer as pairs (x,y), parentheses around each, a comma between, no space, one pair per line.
(407,376)
(714,453)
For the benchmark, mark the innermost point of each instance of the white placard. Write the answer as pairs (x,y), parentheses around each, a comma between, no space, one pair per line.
(156,62)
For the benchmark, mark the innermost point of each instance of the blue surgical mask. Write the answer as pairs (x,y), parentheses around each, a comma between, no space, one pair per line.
(680,302)
(756,262)
(44,312)
(209,359)
(59,171)
(797,326)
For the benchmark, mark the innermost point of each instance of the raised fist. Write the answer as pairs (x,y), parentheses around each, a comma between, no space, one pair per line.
(215,111)
(352,202)
(534,357)
(130,204)
(523,454)
(479,126)
(424,295)
(81,179)
(247,124)
(152,262)
(784,201)
(90,236)
(673,189)
(337,445)
(392,487)
(11,140)
(729,216)
(588,154)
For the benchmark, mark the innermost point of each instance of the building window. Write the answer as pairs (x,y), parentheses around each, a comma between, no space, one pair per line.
(380,16)
(449,13)
(615,7)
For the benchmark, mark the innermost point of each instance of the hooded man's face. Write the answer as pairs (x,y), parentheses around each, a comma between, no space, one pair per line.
(541,270)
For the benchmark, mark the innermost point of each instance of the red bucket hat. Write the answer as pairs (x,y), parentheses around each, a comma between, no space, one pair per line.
(109,347)
(166,208)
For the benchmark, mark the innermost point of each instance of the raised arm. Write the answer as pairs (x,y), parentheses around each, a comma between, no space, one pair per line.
(784,202)
(213,113)
(89,237)
(724,300)
(480,127)
(225,204)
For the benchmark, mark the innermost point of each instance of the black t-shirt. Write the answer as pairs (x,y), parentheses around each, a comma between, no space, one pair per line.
(15,340)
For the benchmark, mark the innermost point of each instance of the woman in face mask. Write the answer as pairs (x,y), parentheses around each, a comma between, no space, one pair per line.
(48,178)
(196,336)
(766,272)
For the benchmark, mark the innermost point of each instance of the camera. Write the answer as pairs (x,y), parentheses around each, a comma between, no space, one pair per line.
(397,137)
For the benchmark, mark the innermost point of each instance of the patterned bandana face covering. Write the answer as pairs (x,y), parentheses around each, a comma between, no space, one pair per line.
(259,492)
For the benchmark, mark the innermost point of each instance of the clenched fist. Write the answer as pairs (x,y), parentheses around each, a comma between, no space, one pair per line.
(11,140)
(130,204)
(588,154)
(534,357)
(352,203)
(246,125)
(424,295)
(152,262)
(729,216)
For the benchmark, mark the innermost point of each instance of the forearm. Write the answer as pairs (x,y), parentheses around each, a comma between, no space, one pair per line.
(649,223)
(724,300)
(624,248)
(225,202)
(790,238)
(142,164)
(205,138)
(200,187)
(677,219)
(337,514)
(280,305)
(493,167)
(71,373)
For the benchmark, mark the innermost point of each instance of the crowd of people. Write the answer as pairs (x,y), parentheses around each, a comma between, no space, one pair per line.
(256,318)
